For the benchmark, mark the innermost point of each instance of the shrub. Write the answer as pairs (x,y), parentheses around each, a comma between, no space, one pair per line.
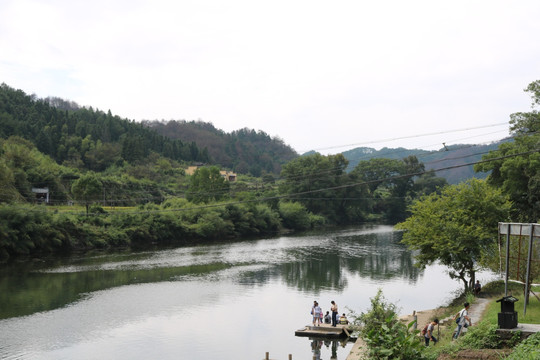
(385,335)
(481,336)
(294,215)
(529,349)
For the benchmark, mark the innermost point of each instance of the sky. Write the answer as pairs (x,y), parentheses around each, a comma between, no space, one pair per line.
(320,75)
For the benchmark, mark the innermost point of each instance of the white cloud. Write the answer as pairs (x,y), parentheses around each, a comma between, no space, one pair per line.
(318,74)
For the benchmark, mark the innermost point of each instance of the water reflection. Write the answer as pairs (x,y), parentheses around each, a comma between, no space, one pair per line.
(307,263)
(169,303)
(330,345)
(323,266)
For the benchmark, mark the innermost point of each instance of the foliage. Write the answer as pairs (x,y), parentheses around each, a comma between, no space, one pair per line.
(517,265)
(496,290)
(24,167)
(244,151)
(385,335)
(206,185)
(84,137)
(515,166)
(295,215)
(480,336)
(26,229)
(529,349)
(457,227)
(317,181)
(87,189)
(392,185)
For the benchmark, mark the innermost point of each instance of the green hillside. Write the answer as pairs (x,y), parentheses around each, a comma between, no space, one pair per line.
(244,151)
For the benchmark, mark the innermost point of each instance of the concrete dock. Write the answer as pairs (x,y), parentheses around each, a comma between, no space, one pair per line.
(324,331)
(525,330)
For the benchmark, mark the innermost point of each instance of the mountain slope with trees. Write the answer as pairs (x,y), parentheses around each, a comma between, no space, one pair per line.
(446,157)
(244,151)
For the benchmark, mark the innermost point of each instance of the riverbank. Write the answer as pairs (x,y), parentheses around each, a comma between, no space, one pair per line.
(476,312)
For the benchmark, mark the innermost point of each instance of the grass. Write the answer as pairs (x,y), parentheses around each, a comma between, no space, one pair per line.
(80,209)
(481,335)
(532,315)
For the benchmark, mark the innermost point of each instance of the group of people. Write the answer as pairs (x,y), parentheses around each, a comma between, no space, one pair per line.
(318,317)
(462,320)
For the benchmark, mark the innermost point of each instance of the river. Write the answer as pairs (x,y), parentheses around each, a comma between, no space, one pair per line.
(226,301)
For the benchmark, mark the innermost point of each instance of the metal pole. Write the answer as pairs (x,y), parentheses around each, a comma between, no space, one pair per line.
(507,260)
(531,238)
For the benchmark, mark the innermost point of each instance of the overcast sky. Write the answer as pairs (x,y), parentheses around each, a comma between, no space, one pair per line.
(324,75)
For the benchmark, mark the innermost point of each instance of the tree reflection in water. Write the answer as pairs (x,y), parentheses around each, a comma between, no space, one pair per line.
(377,256)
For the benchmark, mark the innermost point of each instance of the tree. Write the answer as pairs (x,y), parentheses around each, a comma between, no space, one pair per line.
(458,228)
(317,180)
(206,184)
(87,189)
(391,184)
(515,166)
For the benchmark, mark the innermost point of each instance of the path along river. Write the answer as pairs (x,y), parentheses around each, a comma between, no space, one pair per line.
(222,301)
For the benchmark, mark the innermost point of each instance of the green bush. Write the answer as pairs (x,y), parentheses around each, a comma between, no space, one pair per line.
(294,215)
(385,335)
(529,349)
(481,336)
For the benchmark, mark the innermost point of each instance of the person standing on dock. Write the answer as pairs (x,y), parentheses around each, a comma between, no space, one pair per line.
(334,309)
(316,312)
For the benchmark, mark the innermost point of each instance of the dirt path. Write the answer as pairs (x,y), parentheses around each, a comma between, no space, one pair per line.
(475,313)
(423,317)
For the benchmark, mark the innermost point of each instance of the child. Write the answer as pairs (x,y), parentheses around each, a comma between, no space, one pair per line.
(429,332)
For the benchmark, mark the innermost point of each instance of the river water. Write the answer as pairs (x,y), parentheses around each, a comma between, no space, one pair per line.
(225,301)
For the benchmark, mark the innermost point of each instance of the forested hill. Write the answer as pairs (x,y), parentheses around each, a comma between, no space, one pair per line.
(85,138)
(448,157)
(244,150)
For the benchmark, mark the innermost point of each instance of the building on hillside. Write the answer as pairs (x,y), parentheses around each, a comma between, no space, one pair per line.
(228,175)
(191,170)
(42,195)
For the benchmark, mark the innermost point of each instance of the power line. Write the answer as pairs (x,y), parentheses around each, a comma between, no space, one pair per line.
(295,195)
(410,137)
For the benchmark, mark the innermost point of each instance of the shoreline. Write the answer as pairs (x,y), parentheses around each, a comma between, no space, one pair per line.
(476,312)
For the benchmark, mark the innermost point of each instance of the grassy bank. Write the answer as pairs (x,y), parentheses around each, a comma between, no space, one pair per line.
(481,341)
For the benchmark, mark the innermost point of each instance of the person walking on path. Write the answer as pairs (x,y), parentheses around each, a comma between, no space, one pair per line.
(463,319)
(316,312)
(429,332)
(334,309)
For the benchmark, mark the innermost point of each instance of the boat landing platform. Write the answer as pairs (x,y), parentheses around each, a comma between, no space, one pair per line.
(324,331)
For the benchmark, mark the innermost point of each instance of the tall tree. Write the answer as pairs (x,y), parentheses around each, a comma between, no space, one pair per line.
(457,227)
(87,189)
(391,184)
(207,184)
(315,181)
(515,166)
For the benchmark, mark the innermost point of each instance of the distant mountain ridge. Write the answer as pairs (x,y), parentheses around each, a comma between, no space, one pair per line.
(444,158)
